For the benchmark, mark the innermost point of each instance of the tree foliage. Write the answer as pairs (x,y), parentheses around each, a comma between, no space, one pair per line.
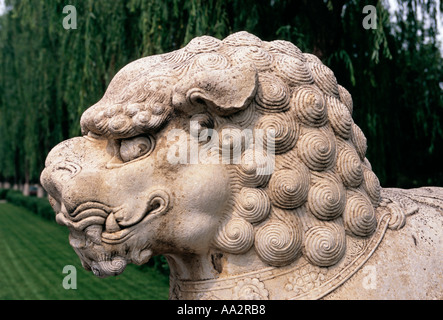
(49,75)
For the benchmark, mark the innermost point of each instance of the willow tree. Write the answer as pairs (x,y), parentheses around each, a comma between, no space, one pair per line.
(50,75)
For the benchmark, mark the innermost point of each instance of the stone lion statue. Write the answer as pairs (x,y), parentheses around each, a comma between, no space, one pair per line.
(239,161)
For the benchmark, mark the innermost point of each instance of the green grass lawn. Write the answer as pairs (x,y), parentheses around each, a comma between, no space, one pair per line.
(34,251)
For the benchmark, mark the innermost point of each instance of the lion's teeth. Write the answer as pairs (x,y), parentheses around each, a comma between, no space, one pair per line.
(111,224)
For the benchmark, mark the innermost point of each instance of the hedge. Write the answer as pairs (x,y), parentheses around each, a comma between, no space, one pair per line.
(39,206)
(3,193)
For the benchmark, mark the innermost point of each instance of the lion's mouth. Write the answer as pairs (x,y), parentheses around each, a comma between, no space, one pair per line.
(99,234)
(99,222)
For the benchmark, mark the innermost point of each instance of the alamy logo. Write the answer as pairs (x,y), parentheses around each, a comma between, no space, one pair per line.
(70,281)
(370,21)
(227,146)
(70,21)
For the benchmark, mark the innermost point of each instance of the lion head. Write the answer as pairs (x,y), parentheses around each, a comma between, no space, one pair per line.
(151,176)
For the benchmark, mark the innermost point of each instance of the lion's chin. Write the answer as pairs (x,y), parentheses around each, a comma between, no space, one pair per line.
(116,265)
(107,268)
(106,260)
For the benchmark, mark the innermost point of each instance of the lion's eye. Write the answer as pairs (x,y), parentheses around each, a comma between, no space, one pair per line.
(131,149)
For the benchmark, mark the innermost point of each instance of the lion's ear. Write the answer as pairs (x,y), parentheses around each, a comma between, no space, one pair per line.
(223,91)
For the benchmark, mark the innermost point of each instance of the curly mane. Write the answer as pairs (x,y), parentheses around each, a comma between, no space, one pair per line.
(322,189)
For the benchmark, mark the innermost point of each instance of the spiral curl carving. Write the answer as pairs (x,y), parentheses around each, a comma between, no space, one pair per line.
(317,149)
(242,38)
(253,205)
(198,124)
(231,141)
(126,120)
(261,58)
(325,245)
(178,57)
(211,61)
(339,117)
(121,125)
(311,58)
(292,70)
(324,78)
(203,44)
(349,166)
(285,47)
(372,186)
(397,218)
(278,243)
(235,236)
(284,132)
(255,169)
(146,120)
(359,216)
(115,109)
(272,94)
(327,199)
(180,69)
(309,106)
(346,98)
(100,121)
(288,188)
(130,110)
(246,117)
(142,119)
(367,163)
(359,141)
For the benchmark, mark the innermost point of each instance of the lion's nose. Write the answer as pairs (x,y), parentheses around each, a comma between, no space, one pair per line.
(50,185)
(67,178)
(59,170)
(58,174)
(75,173)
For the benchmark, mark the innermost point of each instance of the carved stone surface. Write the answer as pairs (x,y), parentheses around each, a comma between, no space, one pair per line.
(239,160)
